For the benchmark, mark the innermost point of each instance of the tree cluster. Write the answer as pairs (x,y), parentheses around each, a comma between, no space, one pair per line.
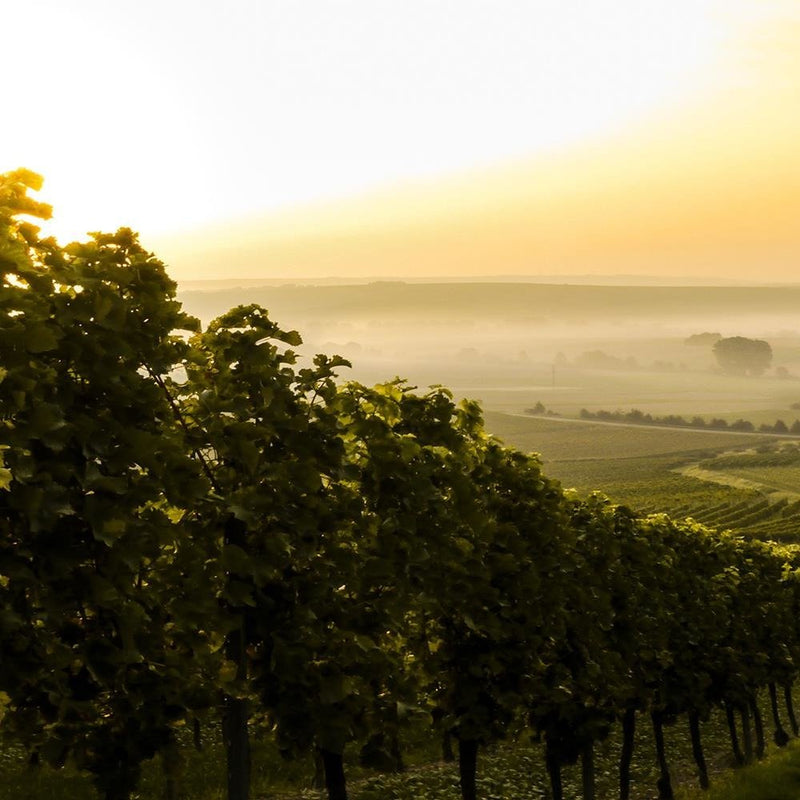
(197,522)
(738,355)
(637,417)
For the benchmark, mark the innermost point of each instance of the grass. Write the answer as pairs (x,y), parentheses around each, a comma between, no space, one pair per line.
(514,770)
(510,770)
(776,779)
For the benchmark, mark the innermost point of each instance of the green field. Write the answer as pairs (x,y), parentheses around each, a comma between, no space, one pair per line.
(777,479)
(646,468)
(572,440)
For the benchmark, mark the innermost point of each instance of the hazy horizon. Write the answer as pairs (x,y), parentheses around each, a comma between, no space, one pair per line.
(689,281)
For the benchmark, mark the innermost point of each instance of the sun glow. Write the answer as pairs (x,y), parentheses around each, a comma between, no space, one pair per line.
(172,115)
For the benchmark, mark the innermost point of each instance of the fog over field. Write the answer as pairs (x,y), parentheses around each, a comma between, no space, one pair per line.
(568,346)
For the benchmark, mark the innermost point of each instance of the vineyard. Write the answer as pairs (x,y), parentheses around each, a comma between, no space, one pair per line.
(753,490)
(768,509)
(776,468)
(201,525)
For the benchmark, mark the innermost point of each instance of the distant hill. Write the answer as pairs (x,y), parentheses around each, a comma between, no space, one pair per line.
(572,280)
(730,309)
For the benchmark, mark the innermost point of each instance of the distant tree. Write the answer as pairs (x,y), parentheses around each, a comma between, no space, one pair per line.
(780,427)
(738,355)
(795,427)
(703,339)
(742,425)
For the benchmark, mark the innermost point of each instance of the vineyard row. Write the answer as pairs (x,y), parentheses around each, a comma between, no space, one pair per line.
(197,522)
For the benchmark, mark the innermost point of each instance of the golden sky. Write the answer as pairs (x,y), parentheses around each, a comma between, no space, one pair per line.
(303,138)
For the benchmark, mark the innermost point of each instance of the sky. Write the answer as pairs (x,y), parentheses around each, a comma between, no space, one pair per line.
(412,138)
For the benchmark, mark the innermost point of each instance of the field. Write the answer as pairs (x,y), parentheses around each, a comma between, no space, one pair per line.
(692,392)
(573,440)
(680,472)
(568,346)
(511,345)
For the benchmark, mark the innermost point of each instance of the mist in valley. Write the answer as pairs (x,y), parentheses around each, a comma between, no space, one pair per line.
(511,345)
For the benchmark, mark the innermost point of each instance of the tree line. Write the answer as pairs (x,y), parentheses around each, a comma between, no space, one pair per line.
(199,523)
(638,417)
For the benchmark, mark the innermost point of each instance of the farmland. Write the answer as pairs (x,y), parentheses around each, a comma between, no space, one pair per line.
(753,488)
(511,346)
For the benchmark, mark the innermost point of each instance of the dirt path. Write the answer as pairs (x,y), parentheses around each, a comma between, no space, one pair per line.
(773,491)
